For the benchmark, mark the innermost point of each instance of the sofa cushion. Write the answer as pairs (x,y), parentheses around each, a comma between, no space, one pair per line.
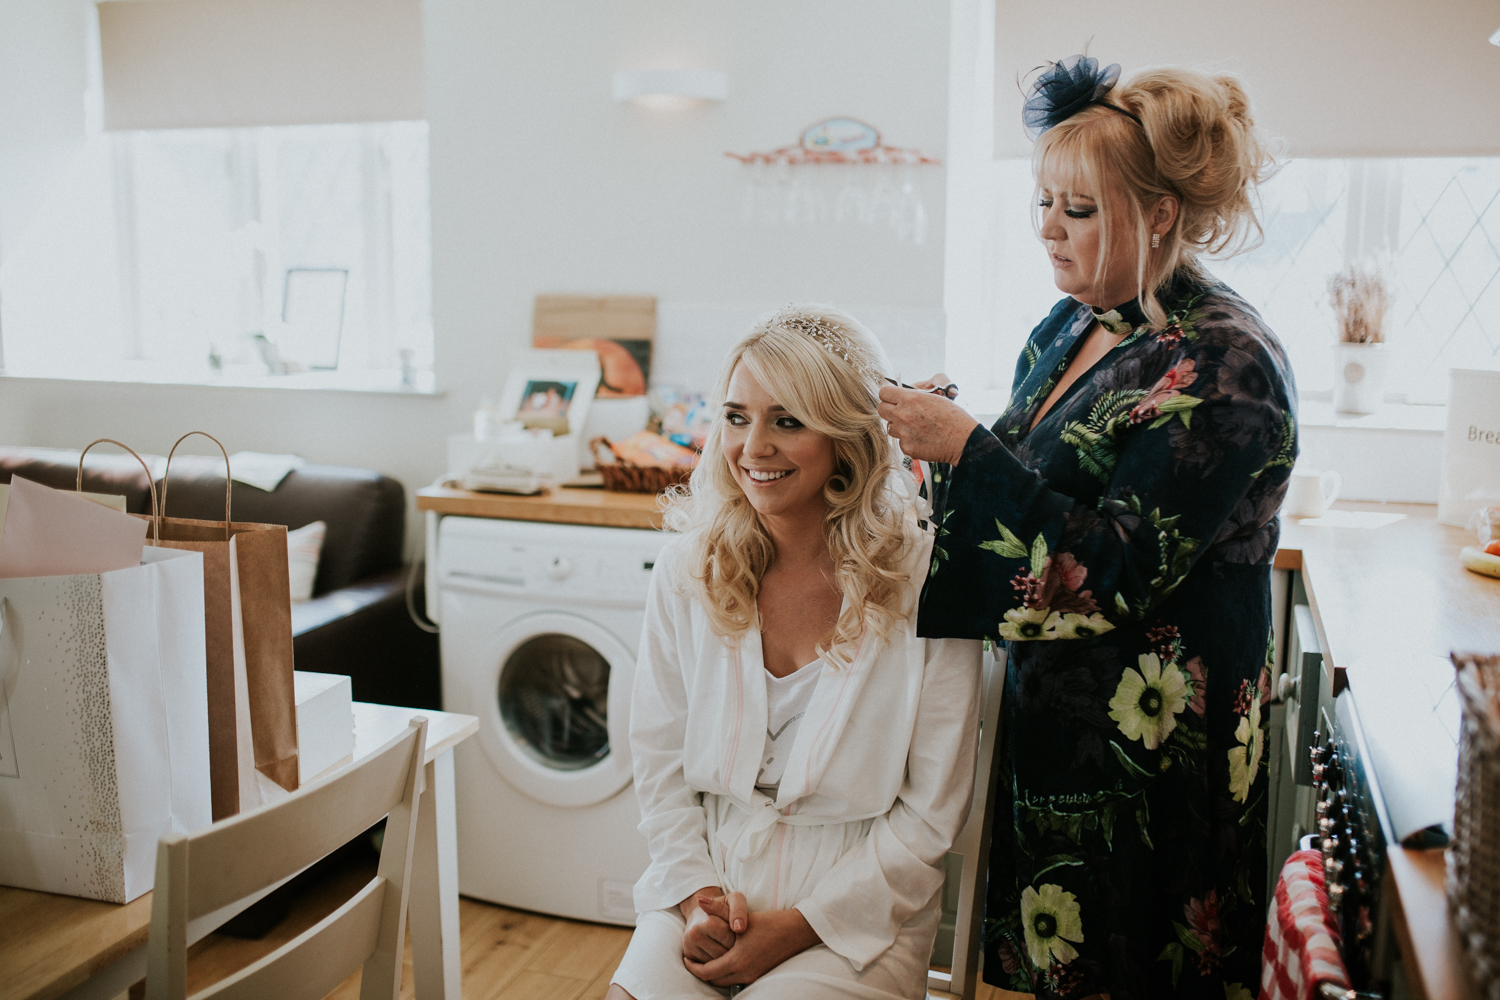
(103,472)
(303,547)
(364,510)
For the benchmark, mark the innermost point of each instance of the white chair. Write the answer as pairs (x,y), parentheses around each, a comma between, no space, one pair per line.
(203,872)
(973,843)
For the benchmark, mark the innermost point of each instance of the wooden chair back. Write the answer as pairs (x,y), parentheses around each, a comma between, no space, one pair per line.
(200,873)
(973,842)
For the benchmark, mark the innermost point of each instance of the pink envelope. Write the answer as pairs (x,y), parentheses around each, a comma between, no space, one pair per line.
(51,532)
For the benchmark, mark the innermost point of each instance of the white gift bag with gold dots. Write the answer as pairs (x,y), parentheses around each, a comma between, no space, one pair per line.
(103,724)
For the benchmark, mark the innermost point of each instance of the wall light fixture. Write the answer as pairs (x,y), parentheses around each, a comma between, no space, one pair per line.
(671,86)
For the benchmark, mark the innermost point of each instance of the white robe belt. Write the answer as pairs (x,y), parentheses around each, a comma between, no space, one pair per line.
(747,841)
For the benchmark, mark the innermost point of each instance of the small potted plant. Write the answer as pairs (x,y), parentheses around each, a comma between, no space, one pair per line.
(1361,297)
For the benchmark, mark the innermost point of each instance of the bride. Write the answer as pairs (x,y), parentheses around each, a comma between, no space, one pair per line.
(803,760)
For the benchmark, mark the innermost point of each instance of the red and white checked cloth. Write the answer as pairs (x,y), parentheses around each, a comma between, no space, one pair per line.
(1302,938)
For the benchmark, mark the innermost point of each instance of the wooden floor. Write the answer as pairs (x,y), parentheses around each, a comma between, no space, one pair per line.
(507,954)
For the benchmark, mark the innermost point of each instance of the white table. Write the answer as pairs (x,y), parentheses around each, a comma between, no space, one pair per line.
(80,949)
(432,912)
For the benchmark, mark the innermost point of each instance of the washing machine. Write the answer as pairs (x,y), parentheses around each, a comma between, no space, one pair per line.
(541,623)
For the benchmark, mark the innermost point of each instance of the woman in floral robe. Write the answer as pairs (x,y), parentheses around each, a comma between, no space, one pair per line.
(1118,536)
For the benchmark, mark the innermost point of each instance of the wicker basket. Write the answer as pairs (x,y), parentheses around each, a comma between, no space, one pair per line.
(621,476)
(1473,881)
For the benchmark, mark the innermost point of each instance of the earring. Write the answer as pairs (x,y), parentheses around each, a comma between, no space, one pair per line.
(1156,241)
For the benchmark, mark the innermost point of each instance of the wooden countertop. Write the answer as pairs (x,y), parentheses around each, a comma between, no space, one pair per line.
(567,505)
(1394,589)
(1434,960)
(1399,592)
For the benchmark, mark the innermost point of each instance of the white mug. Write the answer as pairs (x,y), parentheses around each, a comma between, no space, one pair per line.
(1309,493)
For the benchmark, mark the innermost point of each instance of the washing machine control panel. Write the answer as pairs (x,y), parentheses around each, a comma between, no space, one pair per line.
(559,563)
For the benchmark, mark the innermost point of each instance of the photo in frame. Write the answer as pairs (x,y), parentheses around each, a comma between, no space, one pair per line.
(545,403)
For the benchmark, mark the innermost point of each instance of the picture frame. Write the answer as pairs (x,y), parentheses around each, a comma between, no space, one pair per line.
(551,389)
(620,329)
(312,310)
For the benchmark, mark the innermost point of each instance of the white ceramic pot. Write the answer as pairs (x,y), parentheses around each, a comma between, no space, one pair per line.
(1359,377)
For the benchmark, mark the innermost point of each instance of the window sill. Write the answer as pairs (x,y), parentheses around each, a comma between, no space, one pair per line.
(1408,417)
(388,381)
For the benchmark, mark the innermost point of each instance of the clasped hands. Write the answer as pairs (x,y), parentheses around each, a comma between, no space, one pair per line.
(930,427)
(724,944)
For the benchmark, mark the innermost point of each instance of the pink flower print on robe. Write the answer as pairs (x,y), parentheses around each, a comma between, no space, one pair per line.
(1061,587)
(1177,378)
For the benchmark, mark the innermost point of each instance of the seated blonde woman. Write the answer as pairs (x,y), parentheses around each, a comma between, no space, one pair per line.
(803,759)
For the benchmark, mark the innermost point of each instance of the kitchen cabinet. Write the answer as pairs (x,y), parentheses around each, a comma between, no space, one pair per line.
(1370,615)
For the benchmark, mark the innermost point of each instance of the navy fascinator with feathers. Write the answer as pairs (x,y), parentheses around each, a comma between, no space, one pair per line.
(1065,88)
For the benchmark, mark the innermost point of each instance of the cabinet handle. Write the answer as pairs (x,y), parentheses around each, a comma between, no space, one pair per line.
(1287,687)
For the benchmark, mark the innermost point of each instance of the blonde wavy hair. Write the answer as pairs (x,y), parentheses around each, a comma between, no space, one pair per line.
(822,365)
(1196,141)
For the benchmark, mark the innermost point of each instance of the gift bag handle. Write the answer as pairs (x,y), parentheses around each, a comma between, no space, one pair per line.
(166,478)
(156,511)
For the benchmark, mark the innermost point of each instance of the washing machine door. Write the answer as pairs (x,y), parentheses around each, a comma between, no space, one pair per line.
(557,723)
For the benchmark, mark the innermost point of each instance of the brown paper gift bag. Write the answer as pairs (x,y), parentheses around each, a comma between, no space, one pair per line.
(247,609)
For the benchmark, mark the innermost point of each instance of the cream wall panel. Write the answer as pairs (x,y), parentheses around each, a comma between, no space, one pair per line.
(1335,78)
(190,63)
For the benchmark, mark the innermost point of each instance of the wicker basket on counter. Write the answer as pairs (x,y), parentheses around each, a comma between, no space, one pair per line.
(621,476)
(1473,881)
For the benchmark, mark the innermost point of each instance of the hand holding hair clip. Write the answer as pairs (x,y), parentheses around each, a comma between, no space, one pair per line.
(948,391)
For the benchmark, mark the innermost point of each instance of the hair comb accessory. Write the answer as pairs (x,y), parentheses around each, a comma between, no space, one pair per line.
(1065,88)
(829,337)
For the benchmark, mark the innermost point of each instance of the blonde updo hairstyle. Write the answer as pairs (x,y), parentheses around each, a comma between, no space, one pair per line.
(1196,141)
(728,547)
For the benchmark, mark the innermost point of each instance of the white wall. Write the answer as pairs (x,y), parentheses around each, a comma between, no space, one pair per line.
(41,101)
(541,184)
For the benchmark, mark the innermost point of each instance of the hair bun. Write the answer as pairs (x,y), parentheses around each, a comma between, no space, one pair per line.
(1207,148)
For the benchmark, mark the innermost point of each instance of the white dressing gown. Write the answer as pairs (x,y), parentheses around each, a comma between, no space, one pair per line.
(876,788)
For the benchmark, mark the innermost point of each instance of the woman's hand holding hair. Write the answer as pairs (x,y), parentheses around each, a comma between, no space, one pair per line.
(764,940)
(931,428)
(708,934)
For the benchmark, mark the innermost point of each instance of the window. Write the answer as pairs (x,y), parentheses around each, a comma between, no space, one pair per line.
(1437,222)
(292,255)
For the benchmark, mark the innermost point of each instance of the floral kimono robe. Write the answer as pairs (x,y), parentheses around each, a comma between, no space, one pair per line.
(1122,549)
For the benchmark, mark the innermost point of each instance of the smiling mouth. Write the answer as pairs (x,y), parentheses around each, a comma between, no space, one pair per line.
(767,476)
(1059,259)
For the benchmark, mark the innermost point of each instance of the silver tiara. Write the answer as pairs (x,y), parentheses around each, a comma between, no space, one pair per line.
(830,338)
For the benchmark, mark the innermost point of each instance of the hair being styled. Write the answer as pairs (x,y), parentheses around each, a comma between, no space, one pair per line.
(822,365)
(1195,141)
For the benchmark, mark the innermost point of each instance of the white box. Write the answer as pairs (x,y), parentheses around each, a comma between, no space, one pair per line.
(325,721)
(1471,446)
